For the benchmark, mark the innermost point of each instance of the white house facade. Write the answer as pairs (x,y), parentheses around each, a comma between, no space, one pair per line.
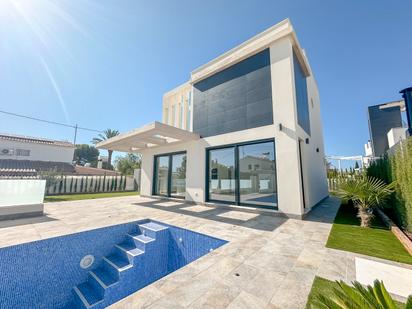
(245,131)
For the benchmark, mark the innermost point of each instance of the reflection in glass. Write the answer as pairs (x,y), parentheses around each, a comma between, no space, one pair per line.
(257,173)
(178,183)
(222,174)
(162,171)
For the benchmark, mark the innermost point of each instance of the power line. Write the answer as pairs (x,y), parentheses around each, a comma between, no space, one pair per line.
(50,122)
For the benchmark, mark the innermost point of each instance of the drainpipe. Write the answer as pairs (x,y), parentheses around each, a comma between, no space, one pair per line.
(407,96)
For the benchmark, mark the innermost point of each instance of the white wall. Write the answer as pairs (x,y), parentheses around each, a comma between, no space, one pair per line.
(14,192)
(289,187)
(395,135)
(39,152)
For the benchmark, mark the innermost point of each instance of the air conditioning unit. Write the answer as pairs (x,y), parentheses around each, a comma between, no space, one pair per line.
(6,152)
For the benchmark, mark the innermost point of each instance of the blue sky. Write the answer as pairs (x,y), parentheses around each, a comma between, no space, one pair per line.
(106,64)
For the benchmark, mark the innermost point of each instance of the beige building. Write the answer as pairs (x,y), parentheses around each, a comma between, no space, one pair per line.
(177,107)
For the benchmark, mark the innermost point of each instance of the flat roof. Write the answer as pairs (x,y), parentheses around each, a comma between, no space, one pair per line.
(250,47)
(35,140)
(152,135)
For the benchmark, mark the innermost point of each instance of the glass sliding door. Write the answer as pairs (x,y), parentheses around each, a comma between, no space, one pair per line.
(161,175)
(222,181)
(178,175)
(170,175)
(243,174)
(257,174)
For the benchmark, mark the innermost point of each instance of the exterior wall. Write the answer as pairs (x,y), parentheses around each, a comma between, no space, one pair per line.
(38,152)
(178,107)
(290,200)
(381,120)
(237,98)
(293,197)
(395,135)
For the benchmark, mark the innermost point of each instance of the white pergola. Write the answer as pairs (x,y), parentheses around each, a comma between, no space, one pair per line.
(346,158)
(153,135)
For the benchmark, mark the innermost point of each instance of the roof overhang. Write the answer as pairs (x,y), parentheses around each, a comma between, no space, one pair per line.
(252,46)
(153,135)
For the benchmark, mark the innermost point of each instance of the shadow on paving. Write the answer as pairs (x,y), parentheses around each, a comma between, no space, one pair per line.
(25,221)
(324,212)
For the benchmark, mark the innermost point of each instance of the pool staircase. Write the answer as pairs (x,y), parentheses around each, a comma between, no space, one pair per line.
(107,283)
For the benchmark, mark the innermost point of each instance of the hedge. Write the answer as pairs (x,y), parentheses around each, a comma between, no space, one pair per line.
(397,166)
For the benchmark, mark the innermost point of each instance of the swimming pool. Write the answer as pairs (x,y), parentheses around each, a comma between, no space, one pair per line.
(96,268)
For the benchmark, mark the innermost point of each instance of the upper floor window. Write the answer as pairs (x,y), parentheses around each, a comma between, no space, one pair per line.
(302,101)
(173,115)
(181,113)
(166,116)
(22,152)
(189,111)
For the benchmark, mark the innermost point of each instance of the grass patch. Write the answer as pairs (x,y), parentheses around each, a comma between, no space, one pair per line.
(377,241)
(325,287)
(86,196)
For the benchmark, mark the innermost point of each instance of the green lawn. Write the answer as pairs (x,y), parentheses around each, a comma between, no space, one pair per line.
(325,287)
(378,241)
(86,196)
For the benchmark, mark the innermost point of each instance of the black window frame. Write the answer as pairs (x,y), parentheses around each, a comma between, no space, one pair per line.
(169,173)
(237,178)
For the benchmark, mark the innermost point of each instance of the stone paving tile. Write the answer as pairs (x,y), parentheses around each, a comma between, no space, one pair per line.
(269,262)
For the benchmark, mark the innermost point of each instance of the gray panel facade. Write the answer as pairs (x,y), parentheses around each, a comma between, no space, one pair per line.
(237,98)
(380,122)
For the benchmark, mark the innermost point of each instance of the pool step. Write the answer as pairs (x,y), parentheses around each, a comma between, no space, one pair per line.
(91,294)
(88,296)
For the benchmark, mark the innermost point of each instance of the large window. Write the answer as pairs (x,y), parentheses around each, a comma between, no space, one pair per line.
(243,174)
(170,175)
(222,174)
(301,96)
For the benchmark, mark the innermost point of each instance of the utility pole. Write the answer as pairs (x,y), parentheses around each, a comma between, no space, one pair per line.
(74,142)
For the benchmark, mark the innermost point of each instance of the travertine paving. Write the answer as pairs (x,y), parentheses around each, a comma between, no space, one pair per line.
(269,262)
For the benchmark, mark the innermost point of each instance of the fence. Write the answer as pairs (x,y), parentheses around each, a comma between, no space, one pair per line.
(90,184)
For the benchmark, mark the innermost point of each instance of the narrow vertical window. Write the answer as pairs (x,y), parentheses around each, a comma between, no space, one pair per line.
(166,116)
(189,111)
(181,112)
(173,115)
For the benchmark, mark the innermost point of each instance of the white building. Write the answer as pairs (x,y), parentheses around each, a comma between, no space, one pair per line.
(24,156)
(18,147)
(245,131)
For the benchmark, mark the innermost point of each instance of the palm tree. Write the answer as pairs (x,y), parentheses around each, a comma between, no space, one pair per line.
(357,297)
(108,133)
(366,193)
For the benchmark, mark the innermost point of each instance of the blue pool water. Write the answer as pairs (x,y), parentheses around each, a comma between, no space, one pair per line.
(127,257)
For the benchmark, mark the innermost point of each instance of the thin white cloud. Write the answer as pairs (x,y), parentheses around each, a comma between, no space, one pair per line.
(56,89)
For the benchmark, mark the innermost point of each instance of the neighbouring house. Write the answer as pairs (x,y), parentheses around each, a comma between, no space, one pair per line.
(24,156)
(386,126)
(245,131)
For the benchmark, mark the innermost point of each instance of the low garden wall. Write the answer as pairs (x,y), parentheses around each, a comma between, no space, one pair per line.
(90,184)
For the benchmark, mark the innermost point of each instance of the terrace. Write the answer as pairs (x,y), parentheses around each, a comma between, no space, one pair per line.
(269,261)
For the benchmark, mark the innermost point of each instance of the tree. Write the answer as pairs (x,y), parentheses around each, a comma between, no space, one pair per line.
(356,165)
(366,193)
(127,164)
(357,297)
(86,154)
(108,133)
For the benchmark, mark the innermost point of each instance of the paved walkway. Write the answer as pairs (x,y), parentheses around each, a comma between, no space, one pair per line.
(269,262)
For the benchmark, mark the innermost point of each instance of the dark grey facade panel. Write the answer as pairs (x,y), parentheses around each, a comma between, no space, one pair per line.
(381,120)
(301,96)
(237,98)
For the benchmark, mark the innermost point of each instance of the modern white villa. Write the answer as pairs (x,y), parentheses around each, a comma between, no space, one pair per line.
(244,131)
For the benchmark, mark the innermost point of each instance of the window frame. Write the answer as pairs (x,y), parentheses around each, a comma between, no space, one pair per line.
(237,178)
(169,173)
